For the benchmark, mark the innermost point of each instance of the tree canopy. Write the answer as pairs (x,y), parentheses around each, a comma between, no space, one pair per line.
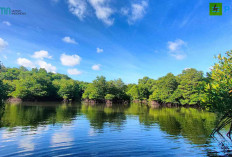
(218,88)
(190,87)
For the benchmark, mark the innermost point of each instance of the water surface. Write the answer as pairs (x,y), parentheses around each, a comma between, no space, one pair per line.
(56,129)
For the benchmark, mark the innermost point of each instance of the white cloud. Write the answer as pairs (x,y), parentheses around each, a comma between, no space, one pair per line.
(102,11)
(69,40)
(78,8)
(70,60)
(6,23)
(176,49)
(74,72)
(136,12)
(179,56)
(99,50)
(48,67)
(25,62)
(41,54)
(96,67)
(3,44)
(176,45)
(4,56)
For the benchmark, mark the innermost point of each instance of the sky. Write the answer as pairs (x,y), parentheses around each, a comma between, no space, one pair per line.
(126,39)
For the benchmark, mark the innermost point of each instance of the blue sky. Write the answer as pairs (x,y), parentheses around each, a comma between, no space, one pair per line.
(115,38)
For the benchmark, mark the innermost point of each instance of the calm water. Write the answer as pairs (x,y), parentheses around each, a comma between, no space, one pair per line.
(52,129)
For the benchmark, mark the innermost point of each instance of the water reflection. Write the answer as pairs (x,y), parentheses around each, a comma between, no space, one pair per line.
(99,115)
(63,126)
(29,114)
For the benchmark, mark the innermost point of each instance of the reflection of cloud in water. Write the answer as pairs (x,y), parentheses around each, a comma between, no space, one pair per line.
(17,132)
(92,132)
(10,135)
(24,136)
(27,144)
(62,138)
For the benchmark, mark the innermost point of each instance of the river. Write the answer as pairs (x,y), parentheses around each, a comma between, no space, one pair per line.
(56,129)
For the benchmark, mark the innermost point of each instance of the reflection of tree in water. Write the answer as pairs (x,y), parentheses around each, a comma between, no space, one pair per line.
(142,111)
(2,110)
(100,114)
(194,124)
(64,114)
(22,115)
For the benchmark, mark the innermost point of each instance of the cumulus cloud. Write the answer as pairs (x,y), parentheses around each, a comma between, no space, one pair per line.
(74,72)
(99,50)
(69,40)
(176,45)
(41,54)
(176,49)
(136,12)
(25,62)
(6,23)
(96,67)
(102,11)
(78,8)
(70,60)
(3,44)
(48,67)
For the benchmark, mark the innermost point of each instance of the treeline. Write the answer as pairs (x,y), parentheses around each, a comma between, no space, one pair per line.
(190,87)
(38,84)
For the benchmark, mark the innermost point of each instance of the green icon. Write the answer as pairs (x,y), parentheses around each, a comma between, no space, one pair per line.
(215,9)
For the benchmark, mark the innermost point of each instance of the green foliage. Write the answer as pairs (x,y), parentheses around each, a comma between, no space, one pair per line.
(147,83)
(188,91)
(67,89)
(164,89)
(118,89)
(2,91)
(218,90)
(38,84)
(134,93)
(100,88)
(31,87)
(188,88)
(109,96)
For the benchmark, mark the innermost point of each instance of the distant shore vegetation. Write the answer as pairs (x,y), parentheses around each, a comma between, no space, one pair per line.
(191,87)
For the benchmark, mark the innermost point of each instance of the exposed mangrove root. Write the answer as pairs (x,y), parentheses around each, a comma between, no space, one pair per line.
(229,132)
(225,120)
(221,124)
